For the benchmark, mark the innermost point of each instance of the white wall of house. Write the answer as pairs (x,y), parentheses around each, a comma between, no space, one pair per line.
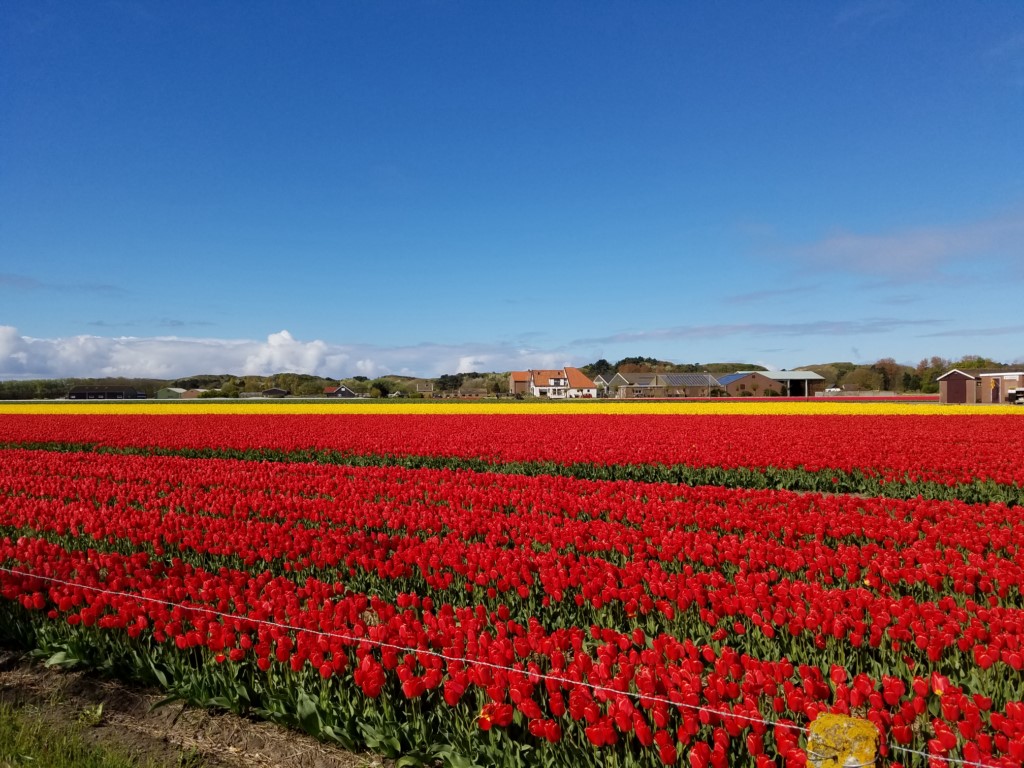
(554,388)
(582,392)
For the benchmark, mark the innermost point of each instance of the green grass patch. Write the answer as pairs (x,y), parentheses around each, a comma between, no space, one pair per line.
(28,738)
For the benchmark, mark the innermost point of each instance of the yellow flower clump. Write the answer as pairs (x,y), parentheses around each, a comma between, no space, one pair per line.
(715,407)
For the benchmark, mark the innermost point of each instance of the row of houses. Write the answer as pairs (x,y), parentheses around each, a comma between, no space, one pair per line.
(105,392)
(956,386)
(570,383)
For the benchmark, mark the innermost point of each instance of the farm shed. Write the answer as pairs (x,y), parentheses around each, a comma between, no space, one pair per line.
(794,383)
(688,384)
(747,384)
(170,393)
(995,386)
(978,385)
(960,387)
(93,392)
(178,393)
(518,382)
(637,385)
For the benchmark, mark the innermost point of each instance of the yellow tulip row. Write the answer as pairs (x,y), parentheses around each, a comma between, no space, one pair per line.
(716,407)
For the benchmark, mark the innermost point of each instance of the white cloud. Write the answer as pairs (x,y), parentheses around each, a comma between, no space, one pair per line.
(167,357)
(920,252)
(983,333)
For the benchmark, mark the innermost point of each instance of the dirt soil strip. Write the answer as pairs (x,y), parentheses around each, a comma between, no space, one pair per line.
(165,735)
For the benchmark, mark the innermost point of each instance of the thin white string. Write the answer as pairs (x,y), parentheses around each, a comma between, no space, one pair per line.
(467,661)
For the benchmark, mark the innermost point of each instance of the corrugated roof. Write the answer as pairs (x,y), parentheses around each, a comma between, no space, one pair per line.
(640,379)
(689,380)
(790,375)
(729,378)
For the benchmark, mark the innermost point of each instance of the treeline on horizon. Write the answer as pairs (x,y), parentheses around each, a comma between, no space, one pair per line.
(883,375)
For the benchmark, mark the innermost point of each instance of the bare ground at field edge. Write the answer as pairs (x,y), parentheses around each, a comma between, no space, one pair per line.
(172,735)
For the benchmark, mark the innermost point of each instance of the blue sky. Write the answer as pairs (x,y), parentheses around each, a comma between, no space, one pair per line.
(353,188)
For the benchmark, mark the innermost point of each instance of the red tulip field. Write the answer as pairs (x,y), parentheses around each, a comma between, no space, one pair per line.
(537,590)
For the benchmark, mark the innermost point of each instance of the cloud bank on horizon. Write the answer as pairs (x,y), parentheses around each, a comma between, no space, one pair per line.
(171,357)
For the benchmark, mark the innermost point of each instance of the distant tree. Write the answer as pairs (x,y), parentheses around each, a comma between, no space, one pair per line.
(309,388)
(598,368)
(928,370)
(360,385)
(976,361)
(380,388)
(833,373)
(17,390)
(930,364)
(450,382)
(890,372)
(863,378)
(473,385)
(640,365)
(911,381)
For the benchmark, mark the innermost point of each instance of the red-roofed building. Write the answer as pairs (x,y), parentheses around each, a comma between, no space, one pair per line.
(580,385)
(558,383)
(519,382)
(548,383)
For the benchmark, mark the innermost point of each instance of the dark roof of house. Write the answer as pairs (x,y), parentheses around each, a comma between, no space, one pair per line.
(689,380)
(339,391)
(640,379)
(100,389)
